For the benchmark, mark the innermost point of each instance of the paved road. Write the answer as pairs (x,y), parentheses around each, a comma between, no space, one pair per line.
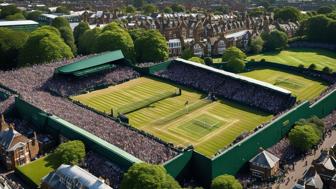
(300,166)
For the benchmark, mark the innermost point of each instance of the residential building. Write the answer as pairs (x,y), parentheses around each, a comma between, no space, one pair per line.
(264,165)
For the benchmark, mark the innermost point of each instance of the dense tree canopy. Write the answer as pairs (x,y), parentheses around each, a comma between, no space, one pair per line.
(87,42)
(177,8)
(72,152)
(136,33)
(236,65)
(130,9)
(16,16)
(304,137)
(44,45)
(138,3)
(62,24)
(187,53)
(287,14)
(320,28)
(151,46)
(149,9)
(168,10)
(232,53)
(11,42)
(33,15)
(225,182)
(325,10)
(9,10)
(196,59)
(79,30)
(275,40)
(146,176)
(63,10)
(257,44)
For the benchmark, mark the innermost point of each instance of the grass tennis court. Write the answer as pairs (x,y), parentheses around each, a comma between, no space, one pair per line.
(302,87)
(179,119)
(304,56)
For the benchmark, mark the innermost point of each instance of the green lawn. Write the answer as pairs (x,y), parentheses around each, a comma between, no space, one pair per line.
(302,87)
(181,120)
(37,169)
(295,57)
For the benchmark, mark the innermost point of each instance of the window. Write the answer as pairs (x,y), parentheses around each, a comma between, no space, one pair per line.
(221,47)
(198,50)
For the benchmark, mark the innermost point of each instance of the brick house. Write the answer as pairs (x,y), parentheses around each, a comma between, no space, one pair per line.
(15,148)
(264,165)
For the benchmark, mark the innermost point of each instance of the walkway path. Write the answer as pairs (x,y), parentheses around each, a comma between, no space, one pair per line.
(300,167)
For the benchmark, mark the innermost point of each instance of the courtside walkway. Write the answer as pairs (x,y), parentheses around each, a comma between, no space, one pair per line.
(301,166)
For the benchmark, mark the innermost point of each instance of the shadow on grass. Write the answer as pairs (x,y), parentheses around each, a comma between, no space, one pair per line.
(53,161)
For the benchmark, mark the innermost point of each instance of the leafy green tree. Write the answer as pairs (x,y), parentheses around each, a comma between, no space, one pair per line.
(62,24)
(113,26)
(79,30)
(236,65)
(275,40)
(33,15)
(226,182)
(115,40)
(196,59)
(147,176)
(136,33)
(304,137)
(168,10)
(256,12)
(151,46)
(130,9)
(208,61)
(9,10)
(232,53)
(287,14)
(325,10)
(11,42)
(138,3)
(63,10)
(316,28)
(44,45)
(187,53)
(177,8)
(87,42)
(72,152)
(256,45)
(331,29)
(149,9)
(16,16)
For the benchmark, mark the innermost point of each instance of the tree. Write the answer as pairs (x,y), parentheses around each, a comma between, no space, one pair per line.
(287,14)
(33,15)
(257,44)
(16,16)
(196,59)
(62,10)
(136,33)
(177,8)
(87,42)
(11,42)
(225,182)
(138,3)
(147,176)
(324,10)
(187,53)
(316,28)
(72,152)
(303,137)
(151,46)
(236,65)
(9,10)
(79,30)
(44,45)
(275,40)
(113,26)
(232,53)
(115,40)
(168,10)
(130,9)
(149,9)
(62,24)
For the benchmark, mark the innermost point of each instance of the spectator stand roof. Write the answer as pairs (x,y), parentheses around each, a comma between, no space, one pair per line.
(235,76)
(92,64)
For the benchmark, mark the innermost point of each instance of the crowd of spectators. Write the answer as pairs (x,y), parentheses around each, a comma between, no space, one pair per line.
(31,83)
(225,86)
(8,183)
(103,168)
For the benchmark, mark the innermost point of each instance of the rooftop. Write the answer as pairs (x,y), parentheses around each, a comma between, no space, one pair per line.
(18,22)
